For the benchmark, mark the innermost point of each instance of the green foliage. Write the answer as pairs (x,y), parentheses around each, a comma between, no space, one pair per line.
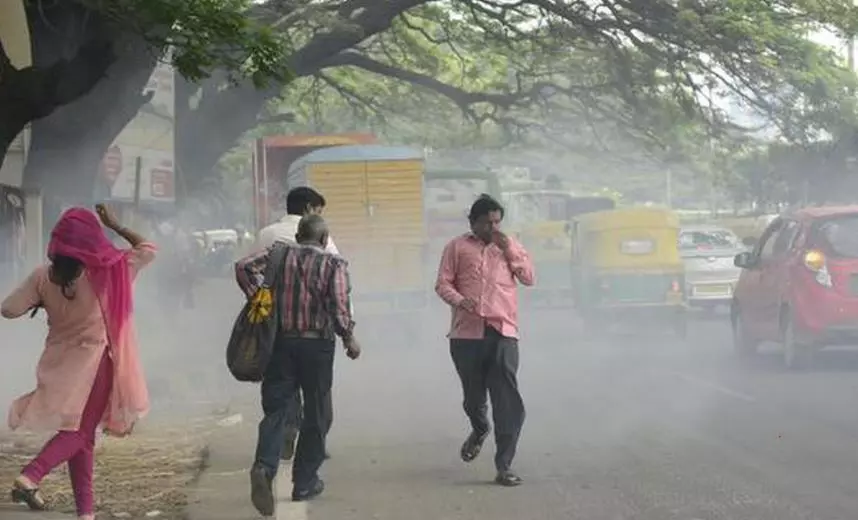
(644,78)
(205,36)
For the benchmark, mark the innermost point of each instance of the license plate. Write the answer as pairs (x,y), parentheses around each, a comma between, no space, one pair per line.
(712,290)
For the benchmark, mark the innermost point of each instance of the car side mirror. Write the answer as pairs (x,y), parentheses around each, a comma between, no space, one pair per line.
(749,242)
(744,261)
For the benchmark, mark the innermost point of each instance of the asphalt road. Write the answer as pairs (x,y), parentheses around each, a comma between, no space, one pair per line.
(638,427)
(641,427)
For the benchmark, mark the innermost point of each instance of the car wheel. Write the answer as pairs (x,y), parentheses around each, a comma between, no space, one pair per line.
(797,356)
(743,343)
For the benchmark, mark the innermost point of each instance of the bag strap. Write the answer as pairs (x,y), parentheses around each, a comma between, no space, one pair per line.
(274,269)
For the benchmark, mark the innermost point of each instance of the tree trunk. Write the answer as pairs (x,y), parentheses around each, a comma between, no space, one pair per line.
(208,131)
(215,126)
(9,130)
(67,147)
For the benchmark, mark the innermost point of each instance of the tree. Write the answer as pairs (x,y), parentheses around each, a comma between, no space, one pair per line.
(34,92)
(606,64)
(581,71)
(80,104)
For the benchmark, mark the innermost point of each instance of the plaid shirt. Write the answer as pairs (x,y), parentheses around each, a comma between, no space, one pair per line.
(316,289)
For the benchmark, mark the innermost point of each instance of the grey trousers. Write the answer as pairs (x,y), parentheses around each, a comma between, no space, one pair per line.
(488,369)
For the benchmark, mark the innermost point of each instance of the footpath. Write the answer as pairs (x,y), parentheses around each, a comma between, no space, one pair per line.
(223,490)
(15,512)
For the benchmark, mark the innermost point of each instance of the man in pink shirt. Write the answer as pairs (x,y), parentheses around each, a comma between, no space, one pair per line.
(478,279)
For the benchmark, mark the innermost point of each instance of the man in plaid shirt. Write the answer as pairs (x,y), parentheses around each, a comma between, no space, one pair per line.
(316,308)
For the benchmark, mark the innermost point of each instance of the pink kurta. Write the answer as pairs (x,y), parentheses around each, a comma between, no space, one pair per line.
(76,340)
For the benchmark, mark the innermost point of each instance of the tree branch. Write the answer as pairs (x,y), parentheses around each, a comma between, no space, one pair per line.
(6,66)
(277,118)
(462,98)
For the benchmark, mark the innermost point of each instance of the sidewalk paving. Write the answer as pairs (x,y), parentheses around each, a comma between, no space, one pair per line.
(17,512)
(223,490)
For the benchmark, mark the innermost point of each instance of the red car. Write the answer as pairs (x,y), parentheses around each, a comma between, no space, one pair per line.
(799,285)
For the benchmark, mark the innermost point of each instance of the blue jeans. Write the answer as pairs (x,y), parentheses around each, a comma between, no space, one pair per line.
(305,366)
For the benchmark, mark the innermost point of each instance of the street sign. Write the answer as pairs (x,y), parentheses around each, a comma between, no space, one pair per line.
(112,164)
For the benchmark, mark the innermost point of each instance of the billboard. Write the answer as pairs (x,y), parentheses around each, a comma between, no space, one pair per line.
(150,136)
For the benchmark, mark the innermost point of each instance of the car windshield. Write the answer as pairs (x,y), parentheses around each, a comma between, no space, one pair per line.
(707,239)
(840,235)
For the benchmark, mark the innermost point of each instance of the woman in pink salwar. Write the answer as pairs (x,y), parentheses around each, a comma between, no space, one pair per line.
(89,374)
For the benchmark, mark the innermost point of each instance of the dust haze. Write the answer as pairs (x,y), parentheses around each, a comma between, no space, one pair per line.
(403,390)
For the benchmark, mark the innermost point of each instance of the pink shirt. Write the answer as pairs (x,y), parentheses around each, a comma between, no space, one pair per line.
(472,269)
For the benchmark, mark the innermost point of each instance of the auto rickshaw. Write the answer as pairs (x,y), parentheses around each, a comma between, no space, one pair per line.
(626,266)
(540,220)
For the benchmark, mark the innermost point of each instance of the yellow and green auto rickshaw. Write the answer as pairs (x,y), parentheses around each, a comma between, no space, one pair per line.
(540,219)
(626,268)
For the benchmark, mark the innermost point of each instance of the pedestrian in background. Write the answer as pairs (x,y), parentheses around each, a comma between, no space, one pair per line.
(478,279)
(315,309)
(300,202)
(90,373)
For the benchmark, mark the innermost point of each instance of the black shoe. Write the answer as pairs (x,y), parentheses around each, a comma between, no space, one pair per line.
(508,479)
(261,493)
(315,489)
(472,446)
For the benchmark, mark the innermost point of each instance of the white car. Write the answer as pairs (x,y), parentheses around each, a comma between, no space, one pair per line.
(710,276)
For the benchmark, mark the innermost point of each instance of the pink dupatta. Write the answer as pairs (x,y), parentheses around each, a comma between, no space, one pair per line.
(79,234)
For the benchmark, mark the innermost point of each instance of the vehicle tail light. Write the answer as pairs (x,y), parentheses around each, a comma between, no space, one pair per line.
(814,260)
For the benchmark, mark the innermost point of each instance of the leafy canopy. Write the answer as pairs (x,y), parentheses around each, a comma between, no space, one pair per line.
(205,36)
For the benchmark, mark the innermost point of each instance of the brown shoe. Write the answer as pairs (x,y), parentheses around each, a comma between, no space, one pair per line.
(21,494)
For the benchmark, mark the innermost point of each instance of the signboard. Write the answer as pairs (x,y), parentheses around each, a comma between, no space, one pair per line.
(111,165)
(156,175)
(288,141)
(149,136)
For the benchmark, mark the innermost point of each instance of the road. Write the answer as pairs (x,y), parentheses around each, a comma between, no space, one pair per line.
(644,427)
(639,427)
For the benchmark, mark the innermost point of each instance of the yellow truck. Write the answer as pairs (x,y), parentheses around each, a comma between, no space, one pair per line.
(375,211)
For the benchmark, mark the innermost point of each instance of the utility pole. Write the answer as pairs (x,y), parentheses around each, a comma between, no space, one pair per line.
(850,48)
(710,160)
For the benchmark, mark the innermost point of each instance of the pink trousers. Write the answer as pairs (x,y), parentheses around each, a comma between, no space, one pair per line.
(78,447)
